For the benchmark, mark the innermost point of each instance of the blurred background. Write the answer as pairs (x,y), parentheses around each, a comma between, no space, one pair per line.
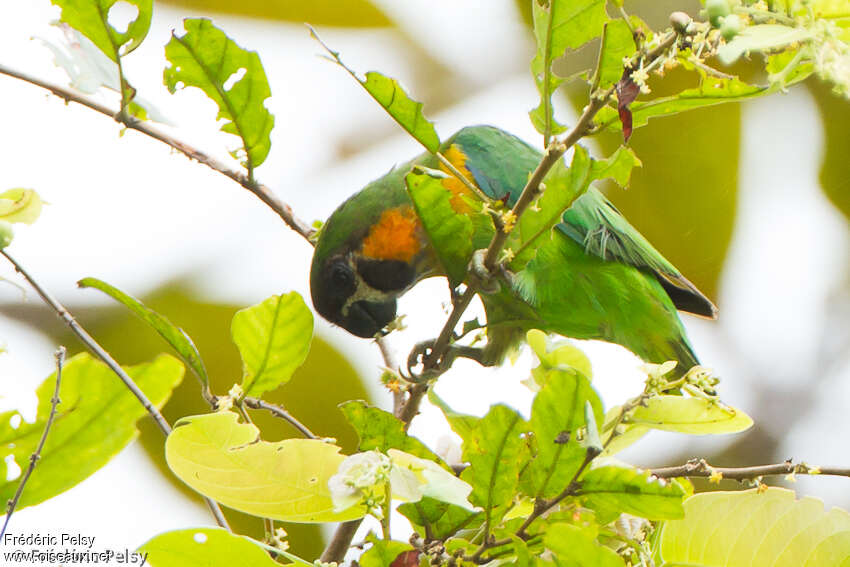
(750,201)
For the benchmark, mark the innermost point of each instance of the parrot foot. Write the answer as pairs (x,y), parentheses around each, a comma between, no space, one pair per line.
(421,352)
(480,276)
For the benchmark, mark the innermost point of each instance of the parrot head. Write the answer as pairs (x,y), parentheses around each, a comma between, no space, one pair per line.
(370,251)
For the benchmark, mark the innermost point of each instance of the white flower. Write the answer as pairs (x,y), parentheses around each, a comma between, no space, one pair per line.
(360,478)
(433,480)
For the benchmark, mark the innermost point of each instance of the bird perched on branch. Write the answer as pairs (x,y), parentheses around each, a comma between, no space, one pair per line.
(589,275)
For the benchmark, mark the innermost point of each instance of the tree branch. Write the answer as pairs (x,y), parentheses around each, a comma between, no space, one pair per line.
(256,403)
(700,468)
(107,359)
(54,403)
(262,192)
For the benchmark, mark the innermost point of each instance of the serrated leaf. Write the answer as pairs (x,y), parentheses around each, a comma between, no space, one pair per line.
(617,167)
(441,519)
(91,18)
(557,414)
(173,335)
(559,25)
(449,231)
(617,44)
(20,205)
(273,338)
(695,416)
(576,547)
(205,58)
(493,451)
(612,490)
(95,420)
(762,37)
(769,529)
(204,547)
(394,99)
(712,91)
(226,461)
(381,430)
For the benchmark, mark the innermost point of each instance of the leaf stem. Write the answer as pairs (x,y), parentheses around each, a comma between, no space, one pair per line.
(107,359)
(54,403)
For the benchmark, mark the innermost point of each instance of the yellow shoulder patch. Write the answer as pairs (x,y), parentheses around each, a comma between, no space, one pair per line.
(461,194)
(393,237)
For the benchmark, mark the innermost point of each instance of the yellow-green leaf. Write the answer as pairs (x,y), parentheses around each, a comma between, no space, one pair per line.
(769,529)
(20,205)
(273,338)
(204,547)
(92,19)
(695,416)
(226,461)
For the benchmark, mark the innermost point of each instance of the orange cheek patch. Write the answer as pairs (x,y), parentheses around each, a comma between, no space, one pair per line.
(460,192)
(393,237)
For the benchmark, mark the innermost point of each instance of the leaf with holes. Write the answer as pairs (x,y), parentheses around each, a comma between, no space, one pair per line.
(174,335)
(92,19)
(285,480)
(204,547)
(769,529)
(273,338)
(95,420)
(205,58)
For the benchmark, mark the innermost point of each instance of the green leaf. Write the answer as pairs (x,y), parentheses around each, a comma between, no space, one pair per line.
(575,547)
(205,58)
(91,18)
(461,423)
(493,451)
(555,354)
(712,91)
(617,44)
(695,416)
(20,205)
(95,420)
(617,167)
(450,232)
(273,338)
(381,430)
(393,98)
(348,14)
(557,414)
(747,528)
(611,490)
(559,25)
(204,547)
(382,553)
(226,461)
(763,37)
(174,335)
(441,519)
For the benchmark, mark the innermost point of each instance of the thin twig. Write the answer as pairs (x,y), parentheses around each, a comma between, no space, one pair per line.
(256,403)
(265,194)
(54,403)
(700,468)
(107,359)
(340,542)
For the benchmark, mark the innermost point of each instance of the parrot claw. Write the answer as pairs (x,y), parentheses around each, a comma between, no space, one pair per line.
(421,353)
(483,278)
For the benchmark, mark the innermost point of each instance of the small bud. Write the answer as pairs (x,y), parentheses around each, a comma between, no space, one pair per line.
(716,477)
(680,22)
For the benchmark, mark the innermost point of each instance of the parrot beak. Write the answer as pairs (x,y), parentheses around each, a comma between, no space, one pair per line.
(367,318)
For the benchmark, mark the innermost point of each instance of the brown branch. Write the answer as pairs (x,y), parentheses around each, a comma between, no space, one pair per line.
(54,403)
(256,403)
(700,468)
(258,189)
(93,346)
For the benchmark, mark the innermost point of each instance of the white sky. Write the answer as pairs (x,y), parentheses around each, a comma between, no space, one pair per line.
(125,209)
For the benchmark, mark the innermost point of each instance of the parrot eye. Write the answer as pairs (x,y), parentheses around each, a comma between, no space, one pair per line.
(341,275)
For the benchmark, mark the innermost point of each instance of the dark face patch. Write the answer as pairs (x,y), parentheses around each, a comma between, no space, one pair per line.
(367,318)
(386,275)
(332,288)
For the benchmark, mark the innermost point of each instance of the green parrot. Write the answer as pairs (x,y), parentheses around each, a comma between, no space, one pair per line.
(596,276)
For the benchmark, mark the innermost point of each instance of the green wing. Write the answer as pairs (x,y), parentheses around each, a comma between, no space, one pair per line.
(597,225)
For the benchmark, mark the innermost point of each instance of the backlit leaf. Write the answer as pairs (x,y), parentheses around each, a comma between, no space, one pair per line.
(20,205)
(695,416)
(611,490)
(204,547)
(91,18)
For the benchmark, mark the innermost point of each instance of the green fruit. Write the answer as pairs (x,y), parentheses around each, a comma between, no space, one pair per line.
(731,26)
(717,9)
(6,234)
